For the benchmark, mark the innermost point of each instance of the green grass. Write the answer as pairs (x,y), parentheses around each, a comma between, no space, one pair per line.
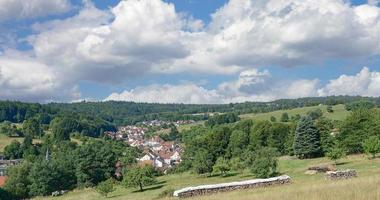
(180,128)
(5,140)
(339,113)
(185,127)
(303,186)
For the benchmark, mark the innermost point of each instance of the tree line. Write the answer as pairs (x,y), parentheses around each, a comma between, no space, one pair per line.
(256,144)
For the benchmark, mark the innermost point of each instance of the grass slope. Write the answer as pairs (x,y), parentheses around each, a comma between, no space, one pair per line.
(5,140)
(314,187)
(339,113)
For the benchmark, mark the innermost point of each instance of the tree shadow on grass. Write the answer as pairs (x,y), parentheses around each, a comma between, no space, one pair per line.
(230,175)
(342,163)
(149,188)
(248,175)
(160,182)
(221,176)
(114,196)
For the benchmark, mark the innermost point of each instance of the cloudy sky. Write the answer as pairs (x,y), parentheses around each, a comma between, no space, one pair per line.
(188,51)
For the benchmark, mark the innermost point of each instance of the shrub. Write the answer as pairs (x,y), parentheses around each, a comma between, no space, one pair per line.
(221,166)
(371,146)
(264,163)
(336,153)
(105,187)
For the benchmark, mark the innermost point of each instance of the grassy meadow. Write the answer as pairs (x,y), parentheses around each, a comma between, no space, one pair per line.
(5,140)
(339,113)
(313,187)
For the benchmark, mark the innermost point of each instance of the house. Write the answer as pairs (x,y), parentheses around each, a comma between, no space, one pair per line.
(3,179)
(3,170)
(4,164)
(152,158)
(176,157)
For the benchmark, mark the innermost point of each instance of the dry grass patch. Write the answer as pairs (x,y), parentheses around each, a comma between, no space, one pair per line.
(364,188)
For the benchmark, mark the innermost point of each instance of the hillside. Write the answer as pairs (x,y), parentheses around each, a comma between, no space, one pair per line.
(303,187)
(339,113)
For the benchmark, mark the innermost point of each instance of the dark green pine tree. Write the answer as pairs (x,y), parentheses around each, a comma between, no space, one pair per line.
(307,141)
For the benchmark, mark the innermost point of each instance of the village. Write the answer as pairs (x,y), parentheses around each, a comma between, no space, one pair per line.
(158,153)
(4,164)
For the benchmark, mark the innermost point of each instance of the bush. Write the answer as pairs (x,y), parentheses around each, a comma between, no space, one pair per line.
(264,163)
(284,117)
(237,165)
(371,146)
(105,187)
(336,153)
(203,162)
(221,166)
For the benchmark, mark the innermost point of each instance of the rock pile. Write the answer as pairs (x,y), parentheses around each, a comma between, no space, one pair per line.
(58,193)
(341,174)
(224,187)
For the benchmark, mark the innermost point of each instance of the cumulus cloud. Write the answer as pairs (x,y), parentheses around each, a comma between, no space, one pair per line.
(295,32)
(184,93)
(122,43)
(255,85)
(139,37)
(365,83)
(144,36)
(28,80)
(27,9)
(251,85)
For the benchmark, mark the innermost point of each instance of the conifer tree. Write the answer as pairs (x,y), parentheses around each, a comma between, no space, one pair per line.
(307,142)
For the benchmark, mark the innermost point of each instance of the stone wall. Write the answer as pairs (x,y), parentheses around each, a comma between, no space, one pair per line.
(224,187)
(341,174)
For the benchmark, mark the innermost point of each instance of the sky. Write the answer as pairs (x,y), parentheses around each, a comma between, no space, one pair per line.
(188,51)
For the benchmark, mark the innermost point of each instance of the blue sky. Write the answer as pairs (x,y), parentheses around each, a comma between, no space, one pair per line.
(175,51)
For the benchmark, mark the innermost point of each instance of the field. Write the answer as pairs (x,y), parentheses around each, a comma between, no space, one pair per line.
(5,140)
(314,187)
(339,113)
(180,128)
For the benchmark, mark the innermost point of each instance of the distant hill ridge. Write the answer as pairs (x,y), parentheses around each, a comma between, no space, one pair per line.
(118,112)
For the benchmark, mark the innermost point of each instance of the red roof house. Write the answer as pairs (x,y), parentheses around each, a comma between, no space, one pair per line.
(2,180)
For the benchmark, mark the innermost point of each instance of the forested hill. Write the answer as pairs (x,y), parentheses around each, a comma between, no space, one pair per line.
(120,113)
(131,112)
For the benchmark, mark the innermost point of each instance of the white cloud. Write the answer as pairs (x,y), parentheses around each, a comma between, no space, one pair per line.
(113,46)
(184,93)
(139,37)
(27,9)
(27,80)
(365,83)
(295,32)
(255,85)
(252,85)
(250,33)
(374,2)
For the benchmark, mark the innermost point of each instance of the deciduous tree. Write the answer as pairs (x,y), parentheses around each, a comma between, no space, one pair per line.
(139,177)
